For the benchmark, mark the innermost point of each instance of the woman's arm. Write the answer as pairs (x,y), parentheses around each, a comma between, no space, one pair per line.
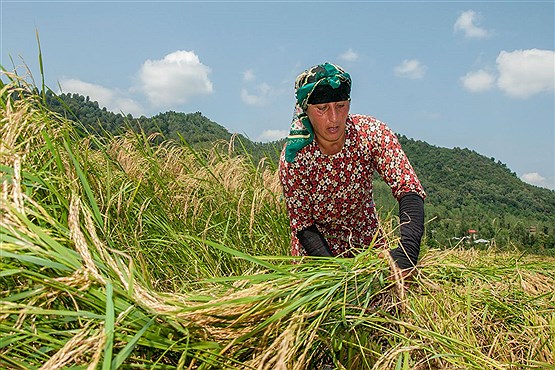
(411,218)
(314,242)
(306,239)
(394,167)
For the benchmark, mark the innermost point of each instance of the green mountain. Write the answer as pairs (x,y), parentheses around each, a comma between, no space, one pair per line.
(196,129)
(466,191)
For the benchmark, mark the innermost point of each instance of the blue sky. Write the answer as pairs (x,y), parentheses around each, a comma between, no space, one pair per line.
(477,75)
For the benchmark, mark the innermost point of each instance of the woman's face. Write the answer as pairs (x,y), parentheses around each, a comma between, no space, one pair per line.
(328,121)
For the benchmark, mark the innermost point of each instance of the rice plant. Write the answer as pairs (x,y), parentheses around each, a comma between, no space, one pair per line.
(122,253)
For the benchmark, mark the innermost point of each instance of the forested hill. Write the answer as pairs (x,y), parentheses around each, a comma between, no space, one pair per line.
(193,126)
(196,129)
(465,189)
(462,177)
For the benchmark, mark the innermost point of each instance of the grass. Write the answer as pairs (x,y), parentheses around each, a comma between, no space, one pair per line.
(124,254)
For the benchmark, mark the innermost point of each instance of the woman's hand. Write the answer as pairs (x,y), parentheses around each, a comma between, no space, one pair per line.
(397,274)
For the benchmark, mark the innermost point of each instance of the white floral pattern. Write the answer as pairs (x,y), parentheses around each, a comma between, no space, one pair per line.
(335,191)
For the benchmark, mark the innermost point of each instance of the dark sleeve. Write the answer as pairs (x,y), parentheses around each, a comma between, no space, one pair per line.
(314,242)
(411,218)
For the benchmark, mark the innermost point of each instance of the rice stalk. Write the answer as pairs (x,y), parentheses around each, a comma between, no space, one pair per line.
(182,262)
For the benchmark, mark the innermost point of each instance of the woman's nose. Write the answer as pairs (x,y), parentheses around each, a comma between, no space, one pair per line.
(332,113)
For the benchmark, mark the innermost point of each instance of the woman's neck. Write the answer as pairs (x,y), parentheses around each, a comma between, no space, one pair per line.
(331,147)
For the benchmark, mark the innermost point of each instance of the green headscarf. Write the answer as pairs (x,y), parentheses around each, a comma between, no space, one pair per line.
(301,133)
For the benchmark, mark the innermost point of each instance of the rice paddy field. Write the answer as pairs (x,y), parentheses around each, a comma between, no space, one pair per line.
(120,254)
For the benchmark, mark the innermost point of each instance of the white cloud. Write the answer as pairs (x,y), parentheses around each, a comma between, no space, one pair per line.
(520,74)
(412,69)
(175,79)
(468,24)
(523,73)
(95,92)
(272,135)
(349,56)
(128,105)
(248,75)
(478,81)
(535,178)
(263,92)
(112,100)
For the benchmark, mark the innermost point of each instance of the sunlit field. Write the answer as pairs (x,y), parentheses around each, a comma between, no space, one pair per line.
(120,253)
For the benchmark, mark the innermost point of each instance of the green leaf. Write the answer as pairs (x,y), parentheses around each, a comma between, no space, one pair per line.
(109,323)
(126,351)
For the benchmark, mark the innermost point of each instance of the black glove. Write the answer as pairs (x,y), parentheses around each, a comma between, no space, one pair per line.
(314,242)
(411,218)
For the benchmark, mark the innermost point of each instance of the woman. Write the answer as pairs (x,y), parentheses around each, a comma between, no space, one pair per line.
(327,168)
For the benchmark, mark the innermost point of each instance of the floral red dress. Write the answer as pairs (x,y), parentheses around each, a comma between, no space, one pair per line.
(334,192)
